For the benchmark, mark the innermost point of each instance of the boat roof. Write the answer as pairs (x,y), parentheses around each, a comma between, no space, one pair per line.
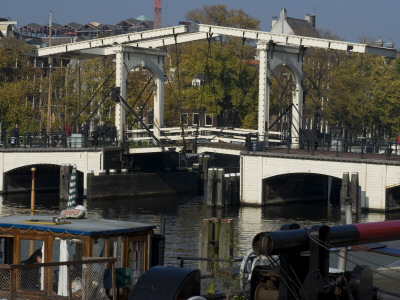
(86,226)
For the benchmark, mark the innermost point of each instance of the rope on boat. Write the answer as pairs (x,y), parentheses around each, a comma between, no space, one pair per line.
(41,232)
(330,247)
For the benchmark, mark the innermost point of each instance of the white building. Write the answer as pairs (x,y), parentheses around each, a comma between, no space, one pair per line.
(292,26)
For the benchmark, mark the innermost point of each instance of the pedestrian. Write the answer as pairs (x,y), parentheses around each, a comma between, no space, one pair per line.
(67,129)
(30,277)
(85,131)
(15,136)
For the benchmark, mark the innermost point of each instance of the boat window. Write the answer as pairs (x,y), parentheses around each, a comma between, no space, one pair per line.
(74,249)
(6,250)
(66,250)
(115,251)
(99,247)
(28,248)
(137,262)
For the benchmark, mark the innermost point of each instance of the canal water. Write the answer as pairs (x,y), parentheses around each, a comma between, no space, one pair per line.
(183,215)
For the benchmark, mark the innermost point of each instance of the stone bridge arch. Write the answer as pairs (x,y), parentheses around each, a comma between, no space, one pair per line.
(84,159)
(301,187)
(47,179)
(374,177)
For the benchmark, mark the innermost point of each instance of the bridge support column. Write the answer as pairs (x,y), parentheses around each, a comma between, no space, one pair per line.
(264,91)
(297,113)
(120,81)
(272,55)
(128,58)
(159,105)
(2,171)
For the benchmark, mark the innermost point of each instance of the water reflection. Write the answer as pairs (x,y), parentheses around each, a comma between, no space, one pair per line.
(182,217)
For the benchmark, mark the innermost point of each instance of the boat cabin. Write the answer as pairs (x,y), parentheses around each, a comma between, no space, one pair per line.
(129,243)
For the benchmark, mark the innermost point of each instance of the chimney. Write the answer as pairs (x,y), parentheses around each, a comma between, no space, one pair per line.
(283,14)
(310,19)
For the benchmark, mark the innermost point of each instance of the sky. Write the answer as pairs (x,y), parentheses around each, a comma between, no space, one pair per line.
(348,19)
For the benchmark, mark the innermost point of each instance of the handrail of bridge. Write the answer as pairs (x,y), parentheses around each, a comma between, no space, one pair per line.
(214,135)
(101,137)
(112,40)
(298,40)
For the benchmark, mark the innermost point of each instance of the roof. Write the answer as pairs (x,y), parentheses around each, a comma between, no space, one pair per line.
(88,227)
(130,21)
(142,18)
(302,27)
(200,76)
(33,26)
(53,26)
(74,25)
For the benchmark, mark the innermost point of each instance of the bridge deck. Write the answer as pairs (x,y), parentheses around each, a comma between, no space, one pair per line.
(320,154)
(328,155)
(59,149)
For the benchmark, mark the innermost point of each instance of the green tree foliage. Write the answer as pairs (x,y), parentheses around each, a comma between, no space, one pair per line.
(20,84)
(230,80)
(219,15)
(77,90)
(139,95)
(364,91)
(230,89)
(356,92)
(95,72)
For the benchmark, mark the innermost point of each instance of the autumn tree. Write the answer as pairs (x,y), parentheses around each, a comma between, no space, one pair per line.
(20,85)
(364,90)
(230,89)
(219,15)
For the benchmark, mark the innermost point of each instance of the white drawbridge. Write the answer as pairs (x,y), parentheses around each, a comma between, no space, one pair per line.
(139,49)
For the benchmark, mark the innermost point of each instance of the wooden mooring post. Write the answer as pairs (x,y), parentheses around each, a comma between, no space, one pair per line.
(65,175)
(350,190)
(216,242)
(350,202)
(222,189)
(211,187)
(204,162)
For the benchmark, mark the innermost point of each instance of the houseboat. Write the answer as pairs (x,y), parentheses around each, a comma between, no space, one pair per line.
(48,257)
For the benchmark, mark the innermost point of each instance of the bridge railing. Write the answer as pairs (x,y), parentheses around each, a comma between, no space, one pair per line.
(338,144)
(60,139)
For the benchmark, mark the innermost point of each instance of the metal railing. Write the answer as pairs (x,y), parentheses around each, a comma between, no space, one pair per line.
(59,280)
(59,139)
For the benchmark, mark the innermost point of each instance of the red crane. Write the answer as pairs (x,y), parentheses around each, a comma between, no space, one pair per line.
(157,14)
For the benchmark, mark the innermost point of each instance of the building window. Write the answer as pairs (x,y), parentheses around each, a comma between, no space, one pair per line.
(208,120)
(184,119)
(196,119)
